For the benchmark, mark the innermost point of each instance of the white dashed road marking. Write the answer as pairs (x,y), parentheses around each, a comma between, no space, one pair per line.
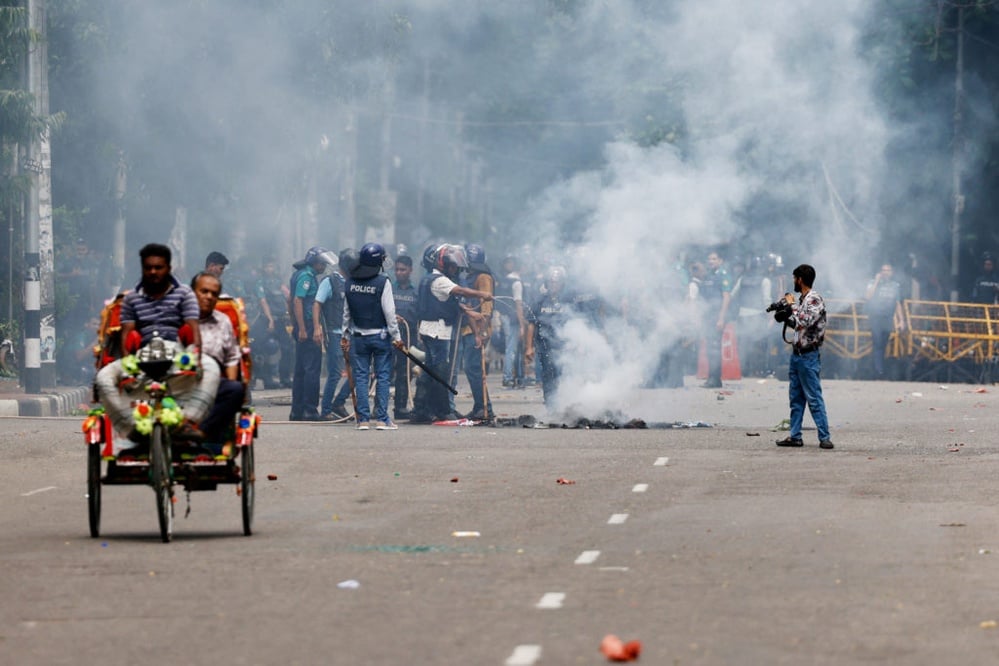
(551,600)
(39,490)
(588,557)
(661,462)
(524,655)
(617,519)
(640,488)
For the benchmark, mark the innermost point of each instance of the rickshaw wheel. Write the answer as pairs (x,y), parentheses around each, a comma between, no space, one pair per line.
(246,487)
(94,488)
(159,472)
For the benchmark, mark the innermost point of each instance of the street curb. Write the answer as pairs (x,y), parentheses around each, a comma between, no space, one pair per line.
(61,402)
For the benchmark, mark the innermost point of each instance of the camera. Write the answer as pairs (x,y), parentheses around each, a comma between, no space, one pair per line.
(782,310)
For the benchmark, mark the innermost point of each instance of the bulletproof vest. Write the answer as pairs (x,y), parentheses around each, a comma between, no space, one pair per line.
(333,307)
(405,302)
(504,286)
(711,285)
(430,308)
(271,288)
(364,298)
(550,314)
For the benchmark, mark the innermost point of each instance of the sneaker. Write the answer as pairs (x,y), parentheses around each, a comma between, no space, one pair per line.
(339,411)
(790,441)
(826,444)
(386,425)
(364,425)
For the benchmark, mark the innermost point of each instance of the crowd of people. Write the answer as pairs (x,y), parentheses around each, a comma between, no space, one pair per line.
(340,315)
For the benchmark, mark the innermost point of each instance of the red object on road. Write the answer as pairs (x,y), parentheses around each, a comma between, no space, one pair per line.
(615,649)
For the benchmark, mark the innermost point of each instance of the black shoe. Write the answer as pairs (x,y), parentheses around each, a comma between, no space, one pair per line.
(791,441)
(450,416)
(403,415)
(711,384)
(339,411)
(138,438)
(188,432)
(826,444)
(477,415)
(417,417)
(508,383)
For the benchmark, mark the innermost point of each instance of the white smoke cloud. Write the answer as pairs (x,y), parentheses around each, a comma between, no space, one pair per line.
(777,100)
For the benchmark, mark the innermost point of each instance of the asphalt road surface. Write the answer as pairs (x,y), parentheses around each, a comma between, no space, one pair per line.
(709,545)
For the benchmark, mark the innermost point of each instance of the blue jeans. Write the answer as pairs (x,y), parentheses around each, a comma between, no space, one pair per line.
(431,399)
(365,349)
(806,387)
(471,357)
(511,355)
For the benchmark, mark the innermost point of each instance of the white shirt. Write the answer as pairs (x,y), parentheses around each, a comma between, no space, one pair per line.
(441,289)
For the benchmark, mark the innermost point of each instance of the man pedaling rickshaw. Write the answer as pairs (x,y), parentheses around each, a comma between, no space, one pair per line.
(160,307)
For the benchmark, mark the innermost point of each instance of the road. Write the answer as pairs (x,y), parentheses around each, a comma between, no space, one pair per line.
(709,545)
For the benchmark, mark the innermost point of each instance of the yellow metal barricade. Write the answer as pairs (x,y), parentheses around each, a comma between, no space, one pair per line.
(948,332)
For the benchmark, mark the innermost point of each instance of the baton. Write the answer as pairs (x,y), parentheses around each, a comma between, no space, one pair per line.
(426,369)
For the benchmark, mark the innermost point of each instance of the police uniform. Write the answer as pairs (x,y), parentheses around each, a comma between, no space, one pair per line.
(308,355)
(548,315)
(276,341)
(405,308)
(713,288)
(371,327)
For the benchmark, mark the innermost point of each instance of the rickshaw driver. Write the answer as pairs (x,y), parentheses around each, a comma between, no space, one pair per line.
(159,305)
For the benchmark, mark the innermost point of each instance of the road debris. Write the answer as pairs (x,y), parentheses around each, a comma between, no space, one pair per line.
(562,481)
(615,649)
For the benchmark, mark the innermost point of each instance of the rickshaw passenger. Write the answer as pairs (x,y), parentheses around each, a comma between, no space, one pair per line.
(159,305)
(218,340)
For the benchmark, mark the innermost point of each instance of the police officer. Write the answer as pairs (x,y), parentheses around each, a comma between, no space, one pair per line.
(404,293)
(439,311)
(270,328)
(545,319)
(475,334)
(716,292)
(303,285)
(328,308)
(986,288)
(369,331)
(884,304)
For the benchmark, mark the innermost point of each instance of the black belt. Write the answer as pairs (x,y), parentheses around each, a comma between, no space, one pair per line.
(804,350)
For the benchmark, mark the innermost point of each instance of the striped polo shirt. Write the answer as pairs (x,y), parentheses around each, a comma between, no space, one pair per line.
(163,315)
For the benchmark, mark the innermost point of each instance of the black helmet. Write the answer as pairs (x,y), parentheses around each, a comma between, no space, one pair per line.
(348,259)
(429,257)
(369,262)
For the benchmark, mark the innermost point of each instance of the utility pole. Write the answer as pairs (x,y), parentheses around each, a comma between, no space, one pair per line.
(957,161)
(39,282)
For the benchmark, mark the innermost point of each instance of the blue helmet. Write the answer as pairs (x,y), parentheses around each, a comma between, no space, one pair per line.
(317,254)
(475,254)
(369,263)
(372,254)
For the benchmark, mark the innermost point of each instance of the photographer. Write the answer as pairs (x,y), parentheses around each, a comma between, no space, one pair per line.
(808,319)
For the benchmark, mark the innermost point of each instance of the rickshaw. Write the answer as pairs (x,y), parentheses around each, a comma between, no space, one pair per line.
(192,466)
